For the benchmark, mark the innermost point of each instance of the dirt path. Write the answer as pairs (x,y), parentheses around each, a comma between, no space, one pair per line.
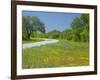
(44,42)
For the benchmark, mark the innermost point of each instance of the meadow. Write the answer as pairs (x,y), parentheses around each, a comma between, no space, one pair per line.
(62,54)
(32,40)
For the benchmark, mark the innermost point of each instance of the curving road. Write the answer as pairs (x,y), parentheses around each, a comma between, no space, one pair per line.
(44,42)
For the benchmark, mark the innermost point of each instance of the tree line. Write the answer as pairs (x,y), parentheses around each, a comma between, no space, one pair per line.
(34,27)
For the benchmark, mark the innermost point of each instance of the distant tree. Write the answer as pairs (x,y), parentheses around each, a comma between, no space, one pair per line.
(32,24)
(54,34)
(67,34)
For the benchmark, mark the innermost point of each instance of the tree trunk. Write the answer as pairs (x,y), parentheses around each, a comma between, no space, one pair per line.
(28,36)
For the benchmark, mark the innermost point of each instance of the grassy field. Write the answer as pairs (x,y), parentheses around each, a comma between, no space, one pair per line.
(32,40)
(61,54)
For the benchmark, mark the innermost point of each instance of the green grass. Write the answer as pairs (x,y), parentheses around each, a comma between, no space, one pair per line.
(61,54)
(32,40)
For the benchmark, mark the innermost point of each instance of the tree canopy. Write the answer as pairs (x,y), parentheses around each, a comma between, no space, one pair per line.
(80,28)
(31,24)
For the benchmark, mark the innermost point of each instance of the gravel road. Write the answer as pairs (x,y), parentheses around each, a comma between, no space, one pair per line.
(44,42)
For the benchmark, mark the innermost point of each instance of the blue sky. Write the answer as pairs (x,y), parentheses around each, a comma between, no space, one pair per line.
(53,20)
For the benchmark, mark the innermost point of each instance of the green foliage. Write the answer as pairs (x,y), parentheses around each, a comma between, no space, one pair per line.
(80,28)
(24,34)
(30,25)
(67,34)
(39,35)
(43,35)
(84,36)
(54,34)
(76,23)
(85,18)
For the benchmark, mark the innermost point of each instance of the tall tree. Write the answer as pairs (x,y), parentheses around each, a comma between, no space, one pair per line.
(32,24)
(85,33)
(54,34)
(80,28)
(77,27)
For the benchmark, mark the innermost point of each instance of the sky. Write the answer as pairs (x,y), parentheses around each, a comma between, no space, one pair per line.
(53,20)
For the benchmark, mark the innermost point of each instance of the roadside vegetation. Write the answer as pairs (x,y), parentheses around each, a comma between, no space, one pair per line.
(31,40)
